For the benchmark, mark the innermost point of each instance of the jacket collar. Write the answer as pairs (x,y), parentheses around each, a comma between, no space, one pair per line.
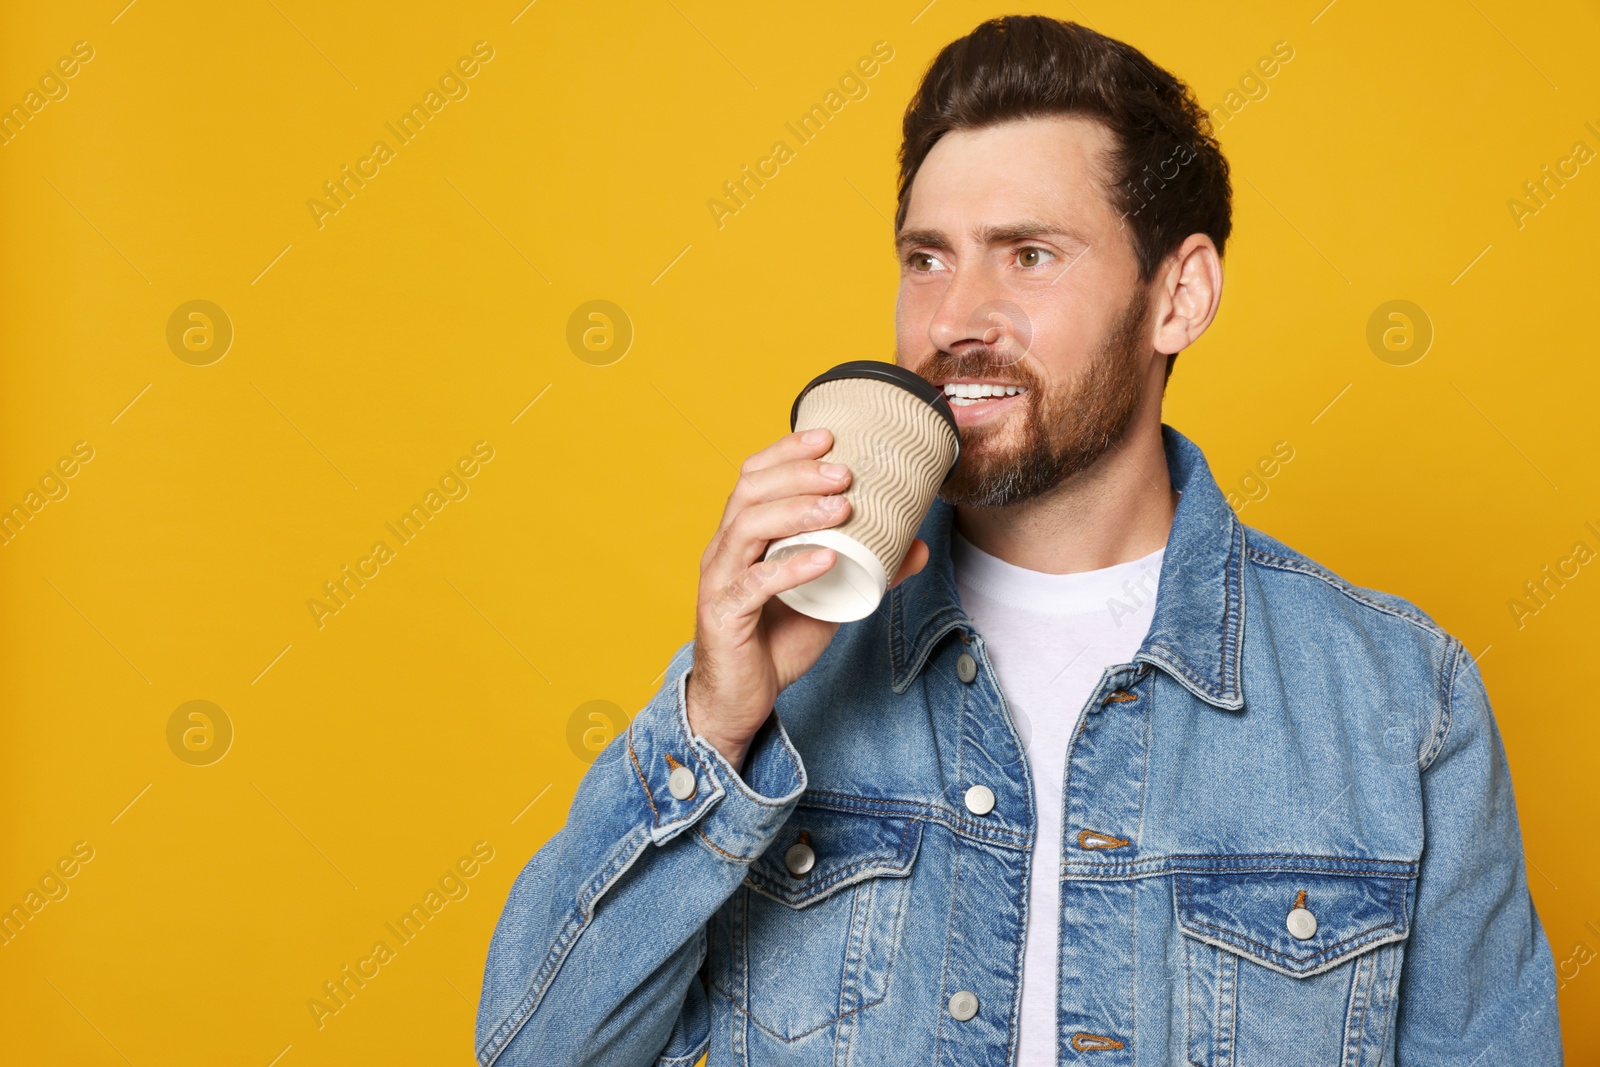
(1197,633)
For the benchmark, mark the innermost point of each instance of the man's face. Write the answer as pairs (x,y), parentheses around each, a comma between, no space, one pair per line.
(1016,272)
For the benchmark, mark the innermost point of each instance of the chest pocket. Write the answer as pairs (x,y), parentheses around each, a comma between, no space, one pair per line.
(801,951)
(1292,966)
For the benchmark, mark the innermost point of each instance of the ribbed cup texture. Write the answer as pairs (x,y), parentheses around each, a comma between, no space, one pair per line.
(898,449)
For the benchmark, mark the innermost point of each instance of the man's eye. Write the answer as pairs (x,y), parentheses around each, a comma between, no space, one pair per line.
(1032,257)
(923,263)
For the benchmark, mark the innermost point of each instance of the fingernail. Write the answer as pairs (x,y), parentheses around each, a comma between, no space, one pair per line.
(832,503)
(815,437)
(836,471)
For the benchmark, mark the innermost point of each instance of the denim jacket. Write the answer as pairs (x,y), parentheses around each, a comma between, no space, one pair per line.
(1288,837)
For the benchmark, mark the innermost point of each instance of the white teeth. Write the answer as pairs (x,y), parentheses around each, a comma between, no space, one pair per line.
(975,393)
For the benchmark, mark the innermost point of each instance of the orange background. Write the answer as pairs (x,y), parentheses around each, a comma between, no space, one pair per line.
(454,698)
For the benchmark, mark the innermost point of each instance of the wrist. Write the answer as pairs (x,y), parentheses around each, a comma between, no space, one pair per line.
(732,751)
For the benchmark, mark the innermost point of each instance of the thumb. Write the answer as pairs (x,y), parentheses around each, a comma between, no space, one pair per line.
(916,559)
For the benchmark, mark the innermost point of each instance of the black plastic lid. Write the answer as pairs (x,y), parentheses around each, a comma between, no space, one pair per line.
(911,381)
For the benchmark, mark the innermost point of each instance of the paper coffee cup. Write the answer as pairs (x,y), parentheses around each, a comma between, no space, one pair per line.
(896,432)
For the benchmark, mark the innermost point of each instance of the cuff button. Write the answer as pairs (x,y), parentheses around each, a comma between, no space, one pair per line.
(681,783)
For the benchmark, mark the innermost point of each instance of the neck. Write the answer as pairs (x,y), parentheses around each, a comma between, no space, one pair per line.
(1116,510)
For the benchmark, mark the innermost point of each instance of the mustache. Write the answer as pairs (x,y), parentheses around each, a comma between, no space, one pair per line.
(989,362)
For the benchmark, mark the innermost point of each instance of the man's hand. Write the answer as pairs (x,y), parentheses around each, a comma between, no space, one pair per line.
(749,645)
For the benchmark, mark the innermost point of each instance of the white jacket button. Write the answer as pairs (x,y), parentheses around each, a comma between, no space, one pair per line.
(681,783)
(966,667)
(980,800)
(963,1005)
(1301,923)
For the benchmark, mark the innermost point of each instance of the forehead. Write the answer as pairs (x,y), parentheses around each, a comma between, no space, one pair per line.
(1051,167)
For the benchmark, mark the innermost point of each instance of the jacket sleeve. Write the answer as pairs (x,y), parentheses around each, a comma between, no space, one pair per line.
(595,957)
(1478,983)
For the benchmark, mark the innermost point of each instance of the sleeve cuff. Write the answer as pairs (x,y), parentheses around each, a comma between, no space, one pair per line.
(749,809)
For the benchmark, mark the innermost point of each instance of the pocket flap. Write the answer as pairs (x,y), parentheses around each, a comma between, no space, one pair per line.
(846,846)
(1248,912)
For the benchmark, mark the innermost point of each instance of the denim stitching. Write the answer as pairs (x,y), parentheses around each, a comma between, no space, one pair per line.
(869,923)
(710,844)
(914,809)
(1066,783)
(656,820)
(1188,998)
(1307,862)
(1441,731)
(710,767)
(935,630)
(1359,991)
(856,938)
(897,866)
(786,1040)
(1147,711)
(1188,908)
(1233,618)
(1133,956)
(1285,564)
(1017,955)
(949,936)
(1390,976)
(1229,972)
(1175,664)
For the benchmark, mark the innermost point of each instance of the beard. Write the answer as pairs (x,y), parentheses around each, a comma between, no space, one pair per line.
(1063,430)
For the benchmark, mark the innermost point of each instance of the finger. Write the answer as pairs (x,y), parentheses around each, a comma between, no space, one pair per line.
(916,558)
(739,602)
(786,479)
(748,536)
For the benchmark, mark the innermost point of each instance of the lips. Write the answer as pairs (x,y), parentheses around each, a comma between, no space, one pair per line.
(969,412)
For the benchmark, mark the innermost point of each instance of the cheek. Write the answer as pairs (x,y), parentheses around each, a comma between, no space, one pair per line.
(910,321)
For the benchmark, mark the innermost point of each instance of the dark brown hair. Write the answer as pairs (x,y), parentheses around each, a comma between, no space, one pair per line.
(1168,178)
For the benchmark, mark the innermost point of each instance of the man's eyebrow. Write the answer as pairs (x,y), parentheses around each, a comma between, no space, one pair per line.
(995,234)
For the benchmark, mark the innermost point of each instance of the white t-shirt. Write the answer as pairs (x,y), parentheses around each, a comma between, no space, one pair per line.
(1050,638)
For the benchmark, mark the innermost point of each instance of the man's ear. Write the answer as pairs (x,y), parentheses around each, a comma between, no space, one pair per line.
(1187,295)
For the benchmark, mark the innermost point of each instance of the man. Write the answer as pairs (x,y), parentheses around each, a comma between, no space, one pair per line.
(1108,777)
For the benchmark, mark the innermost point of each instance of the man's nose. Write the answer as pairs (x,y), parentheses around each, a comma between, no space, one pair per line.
(974,308)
